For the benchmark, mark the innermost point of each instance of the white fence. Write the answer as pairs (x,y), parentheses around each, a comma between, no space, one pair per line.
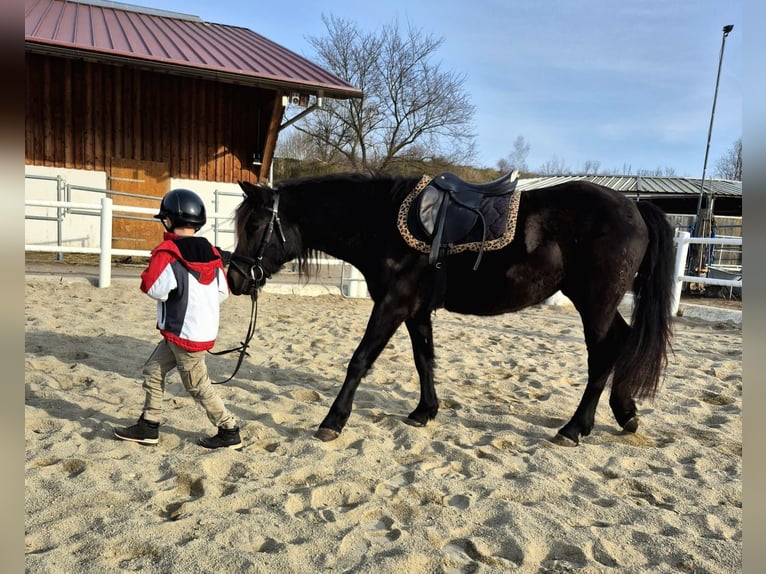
(355,284)
(67,226)
(105,211)
(683,240)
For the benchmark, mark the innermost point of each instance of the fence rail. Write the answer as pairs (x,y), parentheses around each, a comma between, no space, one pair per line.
(683,240)
(106,209)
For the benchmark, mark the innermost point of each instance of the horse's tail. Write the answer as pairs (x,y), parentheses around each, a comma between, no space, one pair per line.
(640,366)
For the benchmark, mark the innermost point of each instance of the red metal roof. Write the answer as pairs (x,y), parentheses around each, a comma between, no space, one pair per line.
(111,31)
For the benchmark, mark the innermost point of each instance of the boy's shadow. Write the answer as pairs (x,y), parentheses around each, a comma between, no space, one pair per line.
(99,352)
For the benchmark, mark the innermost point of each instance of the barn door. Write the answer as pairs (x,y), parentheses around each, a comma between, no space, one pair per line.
(148,179)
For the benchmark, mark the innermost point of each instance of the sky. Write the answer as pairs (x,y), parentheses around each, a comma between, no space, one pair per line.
(627,84)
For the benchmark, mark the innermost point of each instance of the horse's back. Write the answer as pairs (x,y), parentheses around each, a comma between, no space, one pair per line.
(579,215)
(575,236)
(581,197)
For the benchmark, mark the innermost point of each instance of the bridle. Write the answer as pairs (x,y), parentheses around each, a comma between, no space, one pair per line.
(256,272)
(257,275)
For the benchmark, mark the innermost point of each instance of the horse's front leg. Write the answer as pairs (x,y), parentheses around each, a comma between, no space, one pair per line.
(383,323)
(421,334)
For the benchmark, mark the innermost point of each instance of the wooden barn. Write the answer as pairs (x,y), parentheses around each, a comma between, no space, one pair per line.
(139,101)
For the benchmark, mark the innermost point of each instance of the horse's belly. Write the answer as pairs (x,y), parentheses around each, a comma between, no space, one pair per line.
(504,283)
(494,299)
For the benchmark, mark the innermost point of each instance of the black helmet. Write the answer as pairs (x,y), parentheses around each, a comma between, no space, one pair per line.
(184,207)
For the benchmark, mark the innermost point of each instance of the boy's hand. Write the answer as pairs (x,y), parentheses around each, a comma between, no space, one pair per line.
(225,256)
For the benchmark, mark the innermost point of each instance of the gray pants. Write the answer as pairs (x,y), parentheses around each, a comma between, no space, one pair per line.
(193,371)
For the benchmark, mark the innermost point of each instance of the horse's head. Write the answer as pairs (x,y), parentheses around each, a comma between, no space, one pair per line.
(260,238)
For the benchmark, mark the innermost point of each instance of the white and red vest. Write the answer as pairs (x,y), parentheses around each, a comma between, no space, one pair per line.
(187,278)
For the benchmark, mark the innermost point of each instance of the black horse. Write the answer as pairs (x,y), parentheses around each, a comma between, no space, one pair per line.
(588,241)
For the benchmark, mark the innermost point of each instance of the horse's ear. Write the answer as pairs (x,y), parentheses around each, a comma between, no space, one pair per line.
(260,193)
(247,187)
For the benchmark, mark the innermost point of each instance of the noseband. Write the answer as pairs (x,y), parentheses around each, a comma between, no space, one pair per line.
(256,273)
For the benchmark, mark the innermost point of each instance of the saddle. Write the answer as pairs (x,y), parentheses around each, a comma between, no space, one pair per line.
(445,215)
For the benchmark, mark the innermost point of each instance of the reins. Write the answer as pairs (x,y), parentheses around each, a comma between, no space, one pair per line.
(244,344)
(256,274)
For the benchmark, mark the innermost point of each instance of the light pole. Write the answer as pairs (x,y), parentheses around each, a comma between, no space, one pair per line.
(700,227)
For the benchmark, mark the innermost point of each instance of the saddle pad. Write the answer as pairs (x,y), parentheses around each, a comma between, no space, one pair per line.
(499,212)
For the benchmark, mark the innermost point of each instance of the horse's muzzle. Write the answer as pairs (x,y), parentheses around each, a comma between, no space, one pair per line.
(237,286)
(245,275)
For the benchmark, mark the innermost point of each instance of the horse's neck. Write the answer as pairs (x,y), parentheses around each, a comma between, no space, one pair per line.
(340,225)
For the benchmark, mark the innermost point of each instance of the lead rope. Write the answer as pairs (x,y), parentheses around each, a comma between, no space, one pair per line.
(256,275)
(253,316)
(244,344)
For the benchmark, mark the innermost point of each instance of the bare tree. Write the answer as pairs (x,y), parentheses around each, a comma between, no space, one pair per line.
(517,159)
(411,108)
(295,145)
(729,165)
(554,166)
(591,167)
(627,169)
(666,171)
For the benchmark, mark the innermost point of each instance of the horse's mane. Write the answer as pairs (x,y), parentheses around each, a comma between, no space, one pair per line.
(376,188)
(368,181)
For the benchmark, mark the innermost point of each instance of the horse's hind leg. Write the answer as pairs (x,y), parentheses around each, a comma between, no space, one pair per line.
(603,347)
(421,334)
(621,401)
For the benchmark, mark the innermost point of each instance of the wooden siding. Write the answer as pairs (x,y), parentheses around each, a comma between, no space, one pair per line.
(81,114)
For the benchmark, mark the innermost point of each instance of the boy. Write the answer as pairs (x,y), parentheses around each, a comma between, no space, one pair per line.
(186,276)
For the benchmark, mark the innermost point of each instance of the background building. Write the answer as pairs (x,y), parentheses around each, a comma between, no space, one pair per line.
(126,99)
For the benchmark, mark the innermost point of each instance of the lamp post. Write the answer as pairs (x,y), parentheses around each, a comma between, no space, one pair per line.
(700,228)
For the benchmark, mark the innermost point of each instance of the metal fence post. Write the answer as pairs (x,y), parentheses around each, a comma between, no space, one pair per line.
(105,257)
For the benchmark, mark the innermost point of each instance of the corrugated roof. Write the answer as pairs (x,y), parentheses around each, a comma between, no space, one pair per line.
(111,31)
(643,185)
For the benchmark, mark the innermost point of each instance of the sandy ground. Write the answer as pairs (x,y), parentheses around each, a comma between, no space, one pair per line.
(480,489)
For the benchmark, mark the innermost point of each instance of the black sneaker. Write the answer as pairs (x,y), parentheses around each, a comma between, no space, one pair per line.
(228,438)
(144,432)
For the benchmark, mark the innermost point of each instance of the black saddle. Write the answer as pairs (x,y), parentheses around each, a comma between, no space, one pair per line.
(469,192)
(450,209)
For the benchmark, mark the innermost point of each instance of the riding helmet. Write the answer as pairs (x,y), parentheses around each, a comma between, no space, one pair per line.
(184,207)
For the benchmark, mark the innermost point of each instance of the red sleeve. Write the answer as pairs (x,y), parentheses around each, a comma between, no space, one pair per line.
(160,259)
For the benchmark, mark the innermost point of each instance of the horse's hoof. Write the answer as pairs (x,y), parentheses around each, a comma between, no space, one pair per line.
(324,434)
(562,440)
(631,426)
(415,422)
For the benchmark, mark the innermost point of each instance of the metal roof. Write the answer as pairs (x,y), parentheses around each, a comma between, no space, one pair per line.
(115,32)
(643,185)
